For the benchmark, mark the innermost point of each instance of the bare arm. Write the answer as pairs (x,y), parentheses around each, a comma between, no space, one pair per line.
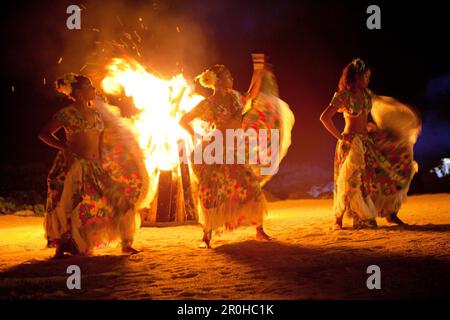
(327,120)
(47,135)
(255,84)
(259,64)
(185,121)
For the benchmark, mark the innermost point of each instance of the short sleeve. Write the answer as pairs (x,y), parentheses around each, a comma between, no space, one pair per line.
(340,100)
(62,116)
(66,116)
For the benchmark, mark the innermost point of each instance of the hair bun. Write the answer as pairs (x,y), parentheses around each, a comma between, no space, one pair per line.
(359,64)
(64,84)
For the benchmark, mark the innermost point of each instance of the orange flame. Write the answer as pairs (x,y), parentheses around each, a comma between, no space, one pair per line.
(161,104)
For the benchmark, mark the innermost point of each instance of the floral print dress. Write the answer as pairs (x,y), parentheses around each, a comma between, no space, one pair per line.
(373,172)
(230,195)
(93,202)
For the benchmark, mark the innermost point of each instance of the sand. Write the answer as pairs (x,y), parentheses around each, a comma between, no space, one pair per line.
(305,261)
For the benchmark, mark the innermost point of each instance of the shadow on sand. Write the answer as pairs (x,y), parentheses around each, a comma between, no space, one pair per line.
(420,228)
(339,273)
(48,278)
(271,270)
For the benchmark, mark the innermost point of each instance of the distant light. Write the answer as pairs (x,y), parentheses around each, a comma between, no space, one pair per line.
(318,190)
(60,60)
(442,170)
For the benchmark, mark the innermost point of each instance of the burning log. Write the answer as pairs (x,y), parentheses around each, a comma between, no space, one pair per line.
(161,103)
(174,196)
(164,198)
(173,203)
(189,207)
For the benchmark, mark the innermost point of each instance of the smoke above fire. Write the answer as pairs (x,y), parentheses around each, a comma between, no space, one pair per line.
(157,34)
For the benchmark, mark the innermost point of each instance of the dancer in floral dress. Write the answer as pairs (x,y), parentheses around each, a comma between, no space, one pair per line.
(230,194)
(374,162)
(98,178)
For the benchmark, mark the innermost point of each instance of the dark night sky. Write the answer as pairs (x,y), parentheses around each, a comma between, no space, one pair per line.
(309,43)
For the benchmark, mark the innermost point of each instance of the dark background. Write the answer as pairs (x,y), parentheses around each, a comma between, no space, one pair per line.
(309,43)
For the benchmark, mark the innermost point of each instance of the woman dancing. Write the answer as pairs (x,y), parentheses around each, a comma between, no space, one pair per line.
(230,195)
(97,179)
(374,162)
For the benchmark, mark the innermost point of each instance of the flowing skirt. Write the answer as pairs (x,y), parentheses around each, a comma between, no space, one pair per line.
(80,207)
(231,194)
(93,203)
(373,173)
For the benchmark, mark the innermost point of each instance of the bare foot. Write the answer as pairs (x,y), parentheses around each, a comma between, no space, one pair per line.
(364,224)
(205,245)
(206,241)
(64,247)
(71,247)
(261,235)
(129,250)
(59,253)
(393,218)
(338,224)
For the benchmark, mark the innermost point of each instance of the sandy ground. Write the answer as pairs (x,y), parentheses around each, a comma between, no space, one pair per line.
(306,261)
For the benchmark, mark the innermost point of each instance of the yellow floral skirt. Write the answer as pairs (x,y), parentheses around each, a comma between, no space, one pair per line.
(82,208)
(230,196)
(372,175)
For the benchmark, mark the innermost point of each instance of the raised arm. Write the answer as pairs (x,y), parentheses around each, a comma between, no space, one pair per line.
(255,84)
(259,63)
(327,120)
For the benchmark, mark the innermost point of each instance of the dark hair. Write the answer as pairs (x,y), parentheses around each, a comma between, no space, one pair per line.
(352,72)
(209,77)
(220,69)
